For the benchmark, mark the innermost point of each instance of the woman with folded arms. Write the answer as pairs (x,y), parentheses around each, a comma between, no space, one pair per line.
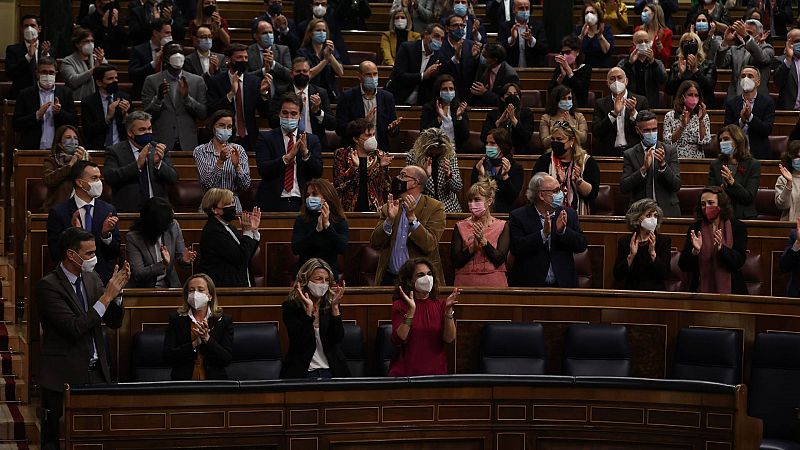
(643,258)
(66,151)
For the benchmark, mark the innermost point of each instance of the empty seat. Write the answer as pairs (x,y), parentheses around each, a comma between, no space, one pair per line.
(367,258)
(774,393)
(604,203)
(384,350)
(185,196)
(353,348)
(765,204)
(687,198)
(256,352)
(474,145)
(677,281)
(35,194)
(359,56)
(583,267)
(535,146)
(512,349)
(753,275)
(778,145)
(530,98)
(708,355)
(597,350)
(147,362)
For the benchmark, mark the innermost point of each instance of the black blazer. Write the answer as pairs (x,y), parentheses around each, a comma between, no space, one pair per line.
(507,190)
(270,150)
(706,77)
(21,71)
(534,57)
(604,132)
(217,352)
(217,98)
(68,330)
(464,71)
(790,263)
(30,128)
(733,258)
(139,67)
(532,257)
(122,174)
(520,134)
(578,83)
(328,244)
(406,73)
(743,192)
(644,274)
(506,74)
(112,40)
(222,258)
(289,39)
(303,343)
(139,20)
(759,128)
(430,119)
(654,78)
(351,107)
(59,218)
(785,78)
(317,128)
(93,118)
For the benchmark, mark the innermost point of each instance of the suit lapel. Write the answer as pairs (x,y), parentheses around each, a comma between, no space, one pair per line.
(70,290)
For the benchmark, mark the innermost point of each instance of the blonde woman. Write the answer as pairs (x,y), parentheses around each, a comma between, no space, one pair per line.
(575,170)
(691,64)
(434,152)
(399,32)
(199,339)
(660,36)
(322,56)
(480,242)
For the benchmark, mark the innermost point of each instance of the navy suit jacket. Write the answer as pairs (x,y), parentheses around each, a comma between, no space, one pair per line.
(406,73)
(25,121)
(217,98)
(59,218)
(534,56)
(760,127)
(464,71)
(317,128)
(19,70)
(532,257)
(351,107)
(790,263)
(139,68)
(269,158)
(93,118)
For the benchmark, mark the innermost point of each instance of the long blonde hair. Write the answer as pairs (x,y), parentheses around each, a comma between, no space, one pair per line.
(427,140)
(658,23)
(701,54)
(303,276)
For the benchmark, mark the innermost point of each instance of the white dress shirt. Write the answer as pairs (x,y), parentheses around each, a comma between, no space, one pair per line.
(48,123)
(295,192)
(87,226)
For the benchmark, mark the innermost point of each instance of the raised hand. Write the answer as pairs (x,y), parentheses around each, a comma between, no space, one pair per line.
(385,159)
(164,255)
(561,222)
(697,242)
(338,293)
(255,218)
(118,281)
(395,124)
(316,103)
(619,105)
(392,207)
(431,70)
(75,221)
(547,228)
(460,111)
(159,154)
(428,166)
(56,107)
(452,300)
(651,239)
(479,167)
(109,224)
(43,110)
(188,256)
(410,205)
(409,299)
(307,302)
(630,105)
(785,173)
(634,247)
(718,239)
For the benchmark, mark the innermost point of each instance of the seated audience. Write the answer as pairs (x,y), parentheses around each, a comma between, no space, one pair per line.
(753,112)
(736,172)
(287,159)
(707,31)
(650,169)
(787,186)
(716,13)
(42,108)
(202,61)
(361,171)
(716,246)
(154,247)
(433,151)
(198,343)
(742,47)
(561,107)
(595,36)
(225,252)
(399,31)
(145,13)
(148,58)
(420,13)
(790,262)
(687,125)
(692,64)
(176,115)
(613,121)
(645,72)
(85,210)
(545,236)
(498,165)
(109,33)
(285,29)
(447,113)
(575,170)
(643,259)
(474,29)
(421,351)
(785,75)
(513,117)
(209,15)
(480,242)
(416,67)
(615,14)
(659,36)
(66,151)
(523,37)
(410,226)
(221,163)
(313,322)
(103,113)
(668,7)
(324,59)
(22,58)
(570,73)
(266,56)
(76,69)
(492,74)
(320,230)
(316,106)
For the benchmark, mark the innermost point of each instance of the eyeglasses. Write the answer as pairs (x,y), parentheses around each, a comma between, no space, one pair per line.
(405,176)
(550,191)
(563,124)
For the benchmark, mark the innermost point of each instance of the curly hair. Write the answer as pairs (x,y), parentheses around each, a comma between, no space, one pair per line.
(640,207)
(428,139)
(405,277)
(724,202)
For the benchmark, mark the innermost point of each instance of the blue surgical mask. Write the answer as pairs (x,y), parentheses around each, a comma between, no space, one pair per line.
(320,37)
(70,145)
(646,18)
(458,33)
(223,134)
(726,147)
(796,48)
(288,125)
(460,9)
(796,164)
(435,45)
(447,96)
(205,44)
(267,39)
(565,105)
(523,16)
(492,152)
(482,60)
(650,139)
(370,83)
(313,203)
(558,199)
(701,26)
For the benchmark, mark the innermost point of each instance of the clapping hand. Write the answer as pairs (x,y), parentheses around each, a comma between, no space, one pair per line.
(410,205)
(452,300)
(651,239)
(633,248)
(324,219)
(385,159)
(307,302)
(547,228)
(165,259)
(338,293)
(718,239)
(392,207)
(727,175)
(75,221)
(446,169)
(477,234)
(188,256)
(316,103)
(785,173)
(109,223)
(561,222)
(251,220)
(395,125)
(159,154)
(428,165)
(460,111)
(56,107)
(697,242)
(409,299)
(660,155)
(118,281)
(505,170)
(163,89)
(478,88)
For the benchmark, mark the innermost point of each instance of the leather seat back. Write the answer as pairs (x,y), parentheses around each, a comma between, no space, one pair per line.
(708,355)
(597,350)
(774,390)
(513,349)
(147,360)
(353,348)
(384,350)
(256,352)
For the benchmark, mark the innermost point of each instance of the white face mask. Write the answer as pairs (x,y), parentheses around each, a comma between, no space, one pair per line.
(47,81)
(650,223)
(591,18)
(166,40)
(198,300)
(87,49)
(87,265)
(424,284)
(318,290)
(319,11)
(371,144)
(95,189)
(401,24)
(176,60)
(747,84)
(30,34)
(642,47)
(617,87)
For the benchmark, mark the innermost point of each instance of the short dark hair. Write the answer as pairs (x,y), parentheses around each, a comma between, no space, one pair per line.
(77,170)
(496,52)
(198,27)
(79,34)
(46,61)
(155,218)
(645,115)
(723,201)
(571,41)
(452,16)
(99,72)
(233,48)
(792,152)
(291,97)
(71,239)
(256,22)
(431,26)
(29,16)
(358,126)
(219,114)
(555,96)
(157,25)
(437,86)
(167,49)
(503,140)
(299,60)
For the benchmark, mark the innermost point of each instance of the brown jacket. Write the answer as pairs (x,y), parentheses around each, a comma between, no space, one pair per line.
(423,242)
(56,177)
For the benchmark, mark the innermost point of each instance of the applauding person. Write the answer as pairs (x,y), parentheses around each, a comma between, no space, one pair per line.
(66,151)
(320,230)
(693,64)
(361,171)
(596,39)
(787,186)
(687,125)
(221,163)
(433,151)
(643,258)
(562,108)
(447,113)
(737,172)
(512,116)
(570,71)
(498,164)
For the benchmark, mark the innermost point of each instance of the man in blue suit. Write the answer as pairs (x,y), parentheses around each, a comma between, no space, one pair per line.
(461,53)
(287,159)
(367,101)
(85,210)
(545,237)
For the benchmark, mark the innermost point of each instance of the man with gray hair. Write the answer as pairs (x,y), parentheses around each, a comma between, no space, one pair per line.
(545,235)
(138,168)
(745,44)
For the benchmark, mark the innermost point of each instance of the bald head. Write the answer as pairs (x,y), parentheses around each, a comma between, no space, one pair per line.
(368,75)
(418,173)
(640,36)
(616,74)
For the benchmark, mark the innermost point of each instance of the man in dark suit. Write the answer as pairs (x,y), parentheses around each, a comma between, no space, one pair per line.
(367,101)
(753,112)
(21,58)
(265,56)
(42,108)
(316,112)
(286,159)
(85,210)
(499,12)
(491,76)
(416,67)
(143,15)
(786,73)
(242,93)
(146,58)
(651,169)
(545,236)
(108,32)
(613,122)
(523,38)
(459,54)
(285,28)
(103,113)
(203,61)
(645,72)
(72,305)
(138,168)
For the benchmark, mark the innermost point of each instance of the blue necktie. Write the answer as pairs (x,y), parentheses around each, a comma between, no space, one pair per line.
(87,223)
(79,292)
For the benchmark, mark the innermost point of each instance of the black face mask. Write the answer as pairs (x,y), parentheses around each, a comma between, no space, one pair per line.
(108,7)
(690,48)
(209,10)
(399,187)
(558,148)
(239,67)
(112,88)
(300,80)
(513,100)
(275,9)
(229,213)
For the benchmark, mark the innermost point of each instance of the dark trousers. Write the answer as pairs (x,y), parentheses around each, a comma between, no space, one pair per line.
(53,409)
(289,204)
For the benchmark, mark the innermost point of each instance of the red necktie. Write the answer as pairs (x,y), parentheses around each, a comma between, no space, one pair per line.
(241,128)
(288,175)
(489,79)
